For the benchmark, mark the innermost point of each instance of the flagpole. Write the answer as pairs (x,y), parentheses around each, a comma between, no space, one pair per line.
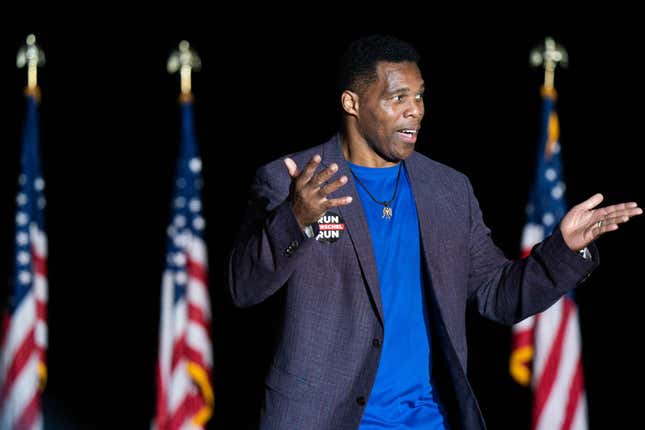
(23,335)
(549,55)
(31,56)
(184,60)
(185,303)
(553,336)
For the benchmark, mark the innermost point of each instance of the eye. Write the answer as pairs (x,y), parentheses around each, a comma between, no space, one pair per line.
(397,98)
(418,97)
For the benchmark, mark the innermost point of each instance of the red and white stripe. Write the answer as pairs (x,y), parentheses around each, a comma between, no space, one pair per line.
(185,395)
(552,341)
(24,342)
(558,386)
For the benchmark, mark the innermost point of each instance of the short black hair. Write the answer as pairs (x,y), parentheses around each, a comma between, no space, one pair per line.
(358,63)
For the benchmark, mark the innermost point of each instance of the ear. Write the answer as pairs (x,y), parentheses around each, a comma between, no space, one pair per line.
(349,100)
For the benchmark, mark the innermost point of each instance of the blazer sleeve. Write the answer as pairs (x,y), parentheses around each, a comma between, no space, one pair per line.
(270,244)
(507,291)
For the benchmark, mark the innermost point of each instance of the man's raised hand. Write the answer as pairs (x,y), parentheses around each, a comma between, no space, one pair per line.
(585,222)
(309,190)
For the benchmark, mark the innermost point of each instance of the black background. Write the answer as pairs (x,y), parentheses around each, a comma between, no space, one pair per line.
(109,138)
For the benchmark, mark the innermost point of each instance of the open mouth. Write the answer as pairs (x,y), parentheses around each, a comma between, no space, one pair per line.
(408,135)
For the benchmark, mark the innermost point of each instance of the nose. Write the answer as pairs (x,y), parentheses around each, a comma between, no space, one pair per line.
(415,109)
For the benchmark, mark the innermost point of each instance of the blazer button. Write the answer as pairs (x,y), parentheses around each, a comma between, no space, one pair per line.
(291,248)
(376,343)
(361,401)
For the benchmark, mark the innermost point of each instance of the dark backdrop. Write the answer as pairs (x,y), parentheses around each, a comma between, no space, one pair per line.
(109,135)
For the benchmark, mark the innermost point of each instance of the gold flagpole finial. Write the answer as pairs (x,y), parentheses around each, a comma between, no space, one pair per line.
(31,56)
(549,54)
(185,60)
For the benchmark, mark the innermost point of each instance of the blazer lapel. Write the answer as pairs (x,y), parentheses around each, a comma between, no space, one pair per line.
(355,222)
(429,200)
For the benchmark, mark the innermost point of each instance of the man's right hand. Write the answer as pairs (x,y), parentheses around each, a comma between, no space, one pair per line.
(309,191)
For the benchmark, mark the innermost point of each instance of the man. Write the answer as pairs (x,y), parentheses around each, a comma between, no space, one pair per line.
(377,250)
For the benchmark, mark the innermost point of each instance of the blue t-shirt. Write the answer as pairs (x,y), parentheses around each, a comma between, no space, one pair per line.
(402,396)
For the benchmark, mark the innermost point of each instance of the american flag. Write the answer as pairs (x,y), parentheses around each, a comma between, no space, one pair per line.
(23,339)
(185,360)
(550,341)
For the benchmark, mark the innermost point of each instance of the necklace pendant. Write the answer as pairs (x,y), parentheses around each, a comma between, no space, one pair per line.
(387,212)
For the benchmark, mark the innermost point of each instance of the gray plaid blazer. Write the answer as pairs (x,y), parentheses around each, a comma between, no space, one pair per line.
(326,358)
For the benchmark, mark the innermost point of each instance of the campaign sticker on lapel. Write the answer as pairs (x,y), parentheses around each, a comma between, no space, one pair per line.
(330,227)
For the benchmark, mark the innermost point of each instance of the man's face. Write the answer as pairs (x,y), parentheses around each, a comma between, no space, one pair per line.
(391,109)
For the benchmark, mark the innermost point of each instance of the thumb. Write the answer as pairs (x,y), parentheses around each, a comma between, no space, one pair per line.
(291,167)
(593,201)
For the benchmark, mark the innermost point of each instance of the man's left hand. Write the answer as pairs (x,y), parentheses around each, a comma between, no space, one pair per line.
(584,223)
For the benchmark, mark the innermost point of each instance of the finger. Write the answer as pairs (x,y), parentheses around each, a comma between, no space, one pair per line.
(604,228)
(627,212)
(308,171)
(324,175)
(328,189)
(341,201)
(617,219)
(592,201)
(629,209)
(604,225)
(292,168)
